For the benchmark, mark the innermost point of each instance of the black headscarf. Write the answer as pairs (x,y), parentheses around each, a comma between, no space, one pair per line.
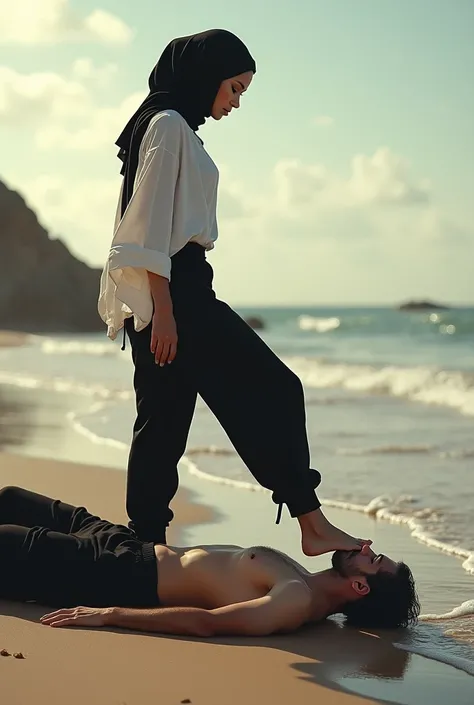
(186,79)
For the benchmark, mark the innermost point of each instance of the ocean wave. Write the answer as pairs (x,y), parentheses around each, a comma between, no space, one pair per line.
(414,449)
(320,325)
(422,384)
(77,423)
(55,346)
(388,450)
(404,510)
(383,507)
(466,609)
(63,385)
(459,454)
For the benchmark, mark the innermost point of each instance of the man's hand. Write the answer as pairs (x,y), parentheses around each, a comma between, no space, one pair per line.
(78,617)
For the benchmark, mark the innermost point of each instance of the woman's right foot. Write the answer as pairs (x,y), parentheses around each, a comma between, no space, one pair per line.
(319,536)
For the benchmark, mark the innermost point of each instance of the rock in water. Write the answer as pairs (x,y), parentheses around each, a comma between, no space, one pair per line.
(255,322)
(421,306)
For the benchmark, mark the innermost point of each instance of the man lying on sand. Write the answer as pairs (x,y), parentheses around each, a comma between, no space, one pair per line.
(57,554)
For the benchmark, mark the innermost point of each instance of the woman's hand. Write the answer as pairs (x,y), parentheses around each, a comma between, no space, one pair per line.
(78,617)
(164,337)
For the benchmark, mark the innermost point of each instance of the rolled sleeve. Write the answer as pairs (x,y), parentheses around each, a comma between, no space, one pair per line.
(133,257)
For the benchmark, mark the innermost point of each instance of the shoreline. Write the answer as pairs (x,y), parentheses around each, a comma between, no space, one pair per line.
(325,662)
(337,665)
(41,427)
(417,524)
(100,489)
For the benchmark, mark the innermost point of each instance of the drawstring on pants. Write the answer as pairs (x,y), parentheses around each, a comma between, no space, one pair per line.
(280,509)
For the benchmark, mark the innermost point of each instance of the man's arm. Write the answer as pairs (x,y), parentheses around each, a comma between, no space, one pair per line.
(285,608)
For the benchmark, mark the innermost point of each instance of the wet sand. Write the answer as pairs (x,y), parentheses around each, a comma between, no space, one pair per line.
(11,338)
(325,664)
(98,666)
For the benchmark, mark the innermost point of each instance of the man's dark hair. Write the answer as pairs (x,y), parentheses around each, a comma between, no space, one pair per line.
(392,601)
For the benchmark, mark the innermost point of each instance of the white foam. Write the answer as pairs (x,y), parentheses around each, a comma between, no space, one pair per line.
(320,325)
(466,609)
(423,384)
(381,507)
(62,384)
(55,346)
(79,427)
(388,450)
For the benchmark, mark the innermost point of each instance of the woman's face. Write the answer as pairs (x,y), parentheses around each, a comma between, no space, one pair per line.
(229,93)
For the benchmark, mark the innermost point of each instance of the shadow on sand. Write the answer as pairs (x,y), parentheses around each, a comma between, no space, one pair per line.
(323,654)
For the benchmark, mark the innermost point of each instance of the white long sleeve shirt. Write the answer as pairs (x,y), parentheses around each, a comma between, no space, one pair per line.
(174,202)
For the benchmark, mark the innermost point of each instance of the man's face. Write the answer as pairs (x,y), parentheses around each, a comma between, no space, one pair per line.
(362,562)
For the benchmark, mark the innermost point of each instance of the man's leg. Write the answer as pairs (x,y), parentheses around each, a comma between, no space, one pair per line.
(28,509)
(165,401)
(43,565)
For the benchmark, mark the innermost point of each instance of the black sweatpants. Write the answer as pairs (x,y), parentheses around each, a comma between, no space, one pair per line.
(60,555)
(257,399)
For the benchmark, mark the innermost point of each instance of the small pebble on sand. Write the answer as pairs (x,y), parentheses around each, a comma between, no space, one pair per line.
(18,655)
(4,652)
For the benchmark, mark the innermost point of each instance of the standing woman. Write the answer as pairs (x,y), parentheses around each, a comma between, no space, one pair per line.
(157,285)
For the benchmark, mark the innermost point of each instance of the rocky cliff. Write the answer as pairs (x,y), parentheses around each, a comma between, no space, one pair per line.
(43,287)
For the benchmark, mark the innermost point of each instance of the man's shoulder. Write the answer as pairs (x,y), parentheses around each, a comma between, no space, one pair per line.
(295,592)
(295,595)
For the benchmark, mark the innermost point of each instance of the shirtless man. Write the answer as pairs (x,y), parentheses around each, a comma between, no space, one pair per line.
(54,553)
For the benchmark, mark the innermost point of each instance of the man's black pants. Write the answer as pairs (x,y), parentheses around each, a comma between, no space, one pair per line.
(57,554)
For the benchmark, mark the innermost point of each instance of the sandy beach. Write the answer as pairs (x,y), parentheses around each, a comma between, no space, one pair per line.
(328,664)
(12,338)
(109,667)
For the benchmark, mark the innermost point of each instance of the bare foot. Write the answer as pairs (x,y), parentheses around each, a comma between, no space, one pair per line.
(319,536)
(314,545)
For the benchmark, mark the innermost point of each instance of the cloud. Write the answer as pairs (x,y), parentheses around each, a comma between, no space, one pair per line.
(99,127)
(313,234)
(31,98)
(376,235)
(298,184)
(85,70)
(380,179)
(52,21)
(384,178)
(64,109)
(323,121)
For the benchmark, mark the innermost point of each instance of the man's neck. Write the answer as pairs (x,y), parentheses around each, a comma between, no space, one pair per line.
(328,589)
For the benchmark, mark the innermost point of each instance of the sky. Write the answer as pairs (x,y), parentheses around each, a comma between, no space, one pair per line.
(347,175)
